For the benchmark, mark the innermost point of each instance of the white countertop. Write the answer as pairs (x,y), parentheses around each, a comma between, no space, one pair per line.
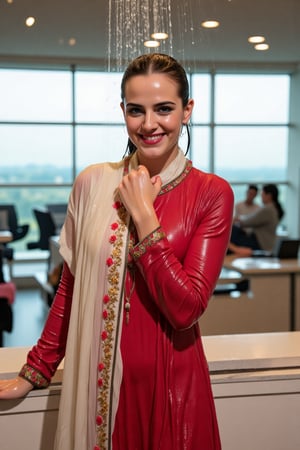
(225,353)
(253,351)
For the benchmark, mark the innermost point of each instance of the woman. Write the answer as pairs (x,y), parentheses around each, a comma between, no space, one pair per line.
(263,224)
(143,245)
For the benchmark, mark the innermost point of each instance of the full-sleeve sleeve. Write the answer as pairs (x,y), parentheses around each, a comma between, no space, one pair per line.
(45,356)
(181,289)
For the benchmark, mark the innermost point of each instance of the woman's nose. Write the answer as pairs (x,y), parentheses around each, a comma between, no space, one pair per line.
(149,120)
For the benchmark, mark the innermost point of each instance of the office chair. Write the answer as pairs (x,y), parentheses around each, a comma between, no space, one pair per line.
(9,222)
(58,212)
(46,229)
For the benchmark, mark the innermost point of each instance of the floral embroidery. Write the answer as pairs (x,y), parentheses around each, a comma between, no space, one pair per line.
(104,335)
(109,314)
(148,241)
(114,226)
(33,376)
(101,366)
(109,262)
(105,299)
(99,420)
(117,205)
(112,239)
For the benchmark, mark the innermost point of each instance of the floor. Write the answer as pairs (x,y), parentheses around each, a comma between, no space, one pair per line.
(29,308)
(29,315)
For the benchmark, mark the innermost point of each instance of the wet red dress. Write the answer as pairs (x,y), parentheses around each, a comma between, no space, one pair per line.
(166,401)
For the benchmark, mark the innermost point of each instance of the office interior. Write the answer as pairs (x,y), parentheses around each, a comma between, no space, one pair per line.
(252,326)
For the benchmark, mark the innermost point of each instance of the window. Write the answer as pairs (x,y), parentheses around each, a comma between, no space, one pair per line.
(240,127)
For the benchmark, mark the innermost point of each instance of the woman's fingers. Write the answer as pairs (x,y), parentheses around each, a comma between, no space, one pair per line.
(14,388)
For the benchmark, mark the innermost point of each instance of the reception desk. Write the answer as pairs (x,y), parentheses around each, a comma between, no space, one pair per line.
(271,304)
(256,386)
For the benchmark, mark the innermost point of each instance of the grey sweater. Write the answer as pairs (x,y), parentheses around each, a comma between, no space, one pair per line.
(264,224)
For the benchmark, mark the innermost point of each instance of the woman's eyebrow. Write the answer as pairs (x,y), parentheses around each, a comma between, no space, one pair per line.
(167,102)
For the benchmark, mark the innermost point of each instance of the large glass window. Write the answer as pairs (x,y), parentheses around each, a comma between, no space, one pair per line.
(252,153)
(251,99)
(251,128)
(201,92)
(36,153)
(98,97)
(35,95)
(240,126)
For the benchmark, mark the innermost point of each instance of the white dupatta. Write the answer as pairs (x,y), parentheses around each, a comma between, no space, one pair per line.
(93,243)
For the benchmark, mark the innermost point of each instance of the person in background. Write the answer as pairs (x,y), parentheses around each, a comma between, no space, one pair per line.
(143,245)
(247,206)
(263,224)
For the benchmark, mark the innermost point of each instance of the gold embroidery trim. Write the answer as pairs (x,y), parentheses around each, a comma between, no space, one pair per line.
(33,376)
(147,242)
(108,329)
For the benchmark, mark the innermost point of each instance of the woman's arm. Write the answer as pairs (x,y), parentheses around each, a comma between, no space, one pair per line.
(257,219)
(182,290)
(45,356)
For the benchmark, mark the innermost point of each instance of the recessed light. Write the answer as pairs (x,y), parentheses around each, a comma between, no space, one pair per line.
(256,39)
(261,47)
(159,35)
(9,1)
(210,24)
(29,21)
(72,41)
(151,44)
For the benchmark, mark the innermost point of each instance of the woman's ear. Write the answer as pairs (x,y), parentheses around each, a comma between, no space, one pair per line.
(187,111)
(122,107)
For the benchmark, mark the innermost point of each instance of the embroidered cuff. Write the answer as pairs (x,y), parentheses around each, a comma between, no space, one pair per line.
(33,376)
(147,242)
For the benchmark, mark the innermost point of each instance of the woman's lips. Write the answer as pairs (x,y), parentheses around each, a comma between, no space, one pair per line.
(152,139)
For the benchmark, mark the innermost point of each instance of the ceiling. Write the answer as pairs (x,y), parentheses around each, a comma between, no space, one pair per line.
(88,22)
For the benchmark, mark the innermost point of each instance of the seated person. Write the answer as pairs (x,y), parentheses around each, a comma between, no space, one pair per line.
(247,206)
(262,222)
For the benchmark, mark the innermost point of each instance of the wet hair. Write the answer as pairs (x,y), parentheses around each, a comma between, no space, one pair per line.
(273,190)
(157,63)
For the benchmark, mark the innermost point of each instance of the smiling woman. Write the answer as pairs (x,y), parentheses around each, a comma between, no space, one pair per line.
(151,232)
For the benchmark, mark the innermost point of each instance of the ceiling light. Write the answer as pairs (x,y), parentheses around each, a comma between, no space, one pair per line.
(256,39)
(30,21)
(261,47)
(9,1)
(210,24)
(151,44)
(159,35)
(72,41)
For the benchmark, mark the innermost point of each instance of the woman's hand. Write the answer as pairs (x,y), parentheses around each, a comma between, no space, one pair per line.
(14,388)
(138,192)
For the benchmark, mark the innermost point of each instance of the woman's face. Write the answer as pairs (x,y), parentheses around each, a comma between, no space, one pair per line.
(154,116)
(266,198)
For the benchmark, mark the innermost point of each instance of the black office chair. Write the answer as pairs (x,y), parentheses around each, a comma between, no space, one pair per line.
(46,229)
(58,212)
(9,222)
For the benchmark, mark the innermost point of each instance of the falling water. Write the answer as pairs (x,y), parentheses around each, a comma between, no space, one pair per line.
(131,23)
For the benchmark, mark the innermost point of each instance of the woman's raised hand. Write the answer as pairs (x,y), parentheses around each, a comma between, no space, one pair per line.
(14,388)
(138,192)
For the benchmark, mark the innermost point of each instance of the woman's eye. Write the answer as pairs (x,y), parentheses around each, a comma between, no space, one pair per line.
(164,109)
(134,111)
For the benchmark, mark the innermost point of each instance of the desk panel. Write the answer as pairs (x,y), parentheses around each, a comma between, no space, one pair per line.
(266,308)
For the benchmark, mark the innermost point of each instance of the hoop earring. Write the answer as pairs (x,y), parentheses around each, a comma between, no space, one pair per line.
(188,138)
